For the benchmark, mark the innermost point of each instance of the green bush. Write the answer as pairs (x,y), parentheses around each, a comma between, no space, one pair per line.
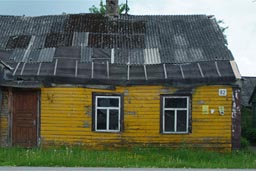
(250,134)
(248,131)
(244,143)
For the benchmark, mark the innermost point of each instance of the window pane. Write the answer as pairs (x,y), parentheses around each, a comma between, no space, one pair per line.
(108,102)
(169,121)
(113,119)
(101,119)
(175,103)
(182,121)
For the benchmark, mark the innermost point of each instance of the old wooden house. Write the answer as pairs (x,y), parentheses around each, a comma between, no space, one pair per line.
(100,81)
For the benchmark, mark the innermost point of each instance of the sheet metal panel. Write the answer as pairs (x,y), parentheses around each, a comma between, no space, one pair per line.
(100,71)
(84,70)
(136,56)
(121,56)
(66,67)
(46,55)
(180,40)
(155,72)
(3,42)
(86,54)
(173,72)
(47,69)
(152,56)
(152,41)
(117,72)
(30,69)
(80,39)
(225,68)
(137,73)
(68,52)
(209,69)
(17,55)
(33,56)
(191,71)
(39,42)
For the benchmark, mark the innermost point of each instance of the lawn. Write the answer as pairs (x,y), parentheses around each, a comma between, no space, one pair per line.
(136,157)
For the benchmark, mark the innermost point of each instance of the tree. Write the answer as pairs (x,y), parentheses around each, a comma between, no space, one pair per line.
(123,8)
(223,28)
(222,25)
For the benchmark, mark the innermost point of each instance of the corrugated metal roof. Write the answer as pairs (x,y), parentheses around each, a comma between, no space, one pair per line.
(182,47)
(178,38)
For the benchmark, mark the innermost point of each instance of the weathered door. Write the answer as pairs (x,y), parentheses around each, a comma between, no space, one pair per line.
(24,131)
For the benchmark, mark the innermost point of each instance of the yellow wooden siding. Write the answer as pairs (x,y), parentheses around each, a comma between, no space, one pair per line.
(66,118)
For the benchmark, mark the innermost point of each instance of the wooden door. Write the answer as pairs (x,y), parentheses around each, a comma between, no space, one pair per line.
(24,128)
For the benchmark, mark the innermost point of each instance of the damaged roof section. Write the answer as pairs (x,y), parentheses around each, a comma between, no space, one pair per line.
(92,46)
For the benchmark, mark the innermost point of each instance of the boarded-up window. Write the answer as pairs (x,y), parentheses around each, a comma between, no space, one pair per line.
(175,115)
(107,113)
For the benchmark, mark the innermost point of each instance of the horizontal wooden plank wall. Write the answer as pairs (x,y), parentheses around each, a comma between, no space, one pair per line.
(4,115)
(66,118)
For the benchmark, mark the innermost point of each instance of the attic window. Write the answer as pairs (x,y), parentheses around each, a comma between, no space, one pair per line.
(107,113)
(175,114)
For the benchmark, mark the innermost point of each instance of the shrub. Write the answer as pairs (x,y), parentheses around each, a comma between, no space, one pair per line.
(251,135)
(244,143)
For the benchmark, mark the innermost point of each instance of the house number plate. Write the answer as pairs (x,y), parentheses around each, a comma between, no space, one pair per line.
(222,92)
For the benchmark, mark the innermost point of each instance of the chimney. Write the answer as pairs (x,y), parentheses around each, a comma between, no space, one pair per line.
(112,8)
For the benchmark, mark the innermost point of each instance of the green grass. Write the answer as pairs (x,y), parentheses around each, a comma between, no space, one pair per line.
(136,157)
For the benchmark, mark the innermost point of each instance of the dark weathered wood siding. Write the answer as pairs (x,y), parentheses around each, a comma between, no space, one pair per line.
(4,119)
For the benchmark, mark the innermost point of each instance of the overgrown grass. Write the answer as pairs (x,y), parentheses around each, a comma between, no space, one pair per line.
(136,157)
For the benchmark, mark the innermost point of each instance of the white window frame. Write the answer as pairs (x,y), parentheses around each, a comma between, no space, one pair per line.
(175,115)
(108,116)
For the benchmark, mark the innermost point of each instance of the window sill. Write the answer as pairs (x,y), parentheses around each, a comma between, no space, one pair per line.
(175,133)
(105,131)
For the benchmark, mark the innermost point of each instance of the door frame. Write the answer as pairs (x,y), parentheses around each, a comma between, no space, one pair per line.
(38,114)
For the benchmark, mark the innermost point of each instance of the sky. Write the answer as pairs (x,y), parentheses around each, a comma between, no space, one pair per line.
(238,15)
